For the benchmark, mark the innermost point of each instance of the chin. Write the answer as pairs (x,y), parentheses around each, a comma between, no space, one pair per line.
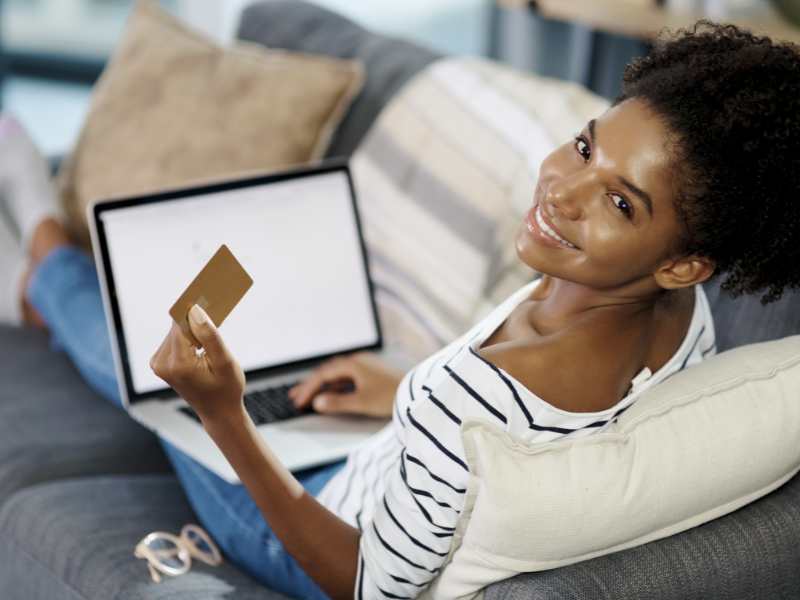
(522,245)
(530,254)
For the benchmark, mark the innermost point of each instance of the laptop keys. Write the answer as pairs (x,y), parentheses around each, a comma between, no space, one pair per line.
(271,405)
(265,406)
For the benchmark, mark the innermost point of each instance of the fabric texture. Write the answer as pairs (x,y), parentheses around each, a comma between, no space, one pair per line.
(75,540)
(52,426)
(750,554)
(305,27)
(65,289)
(235,523)
(13,262)
(444,178)
(744,320)
(405,488)
(705,442)
(173,108)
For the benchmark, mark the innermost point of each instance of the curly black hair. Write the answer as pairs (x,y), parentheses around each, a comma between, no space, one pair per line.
(731,101)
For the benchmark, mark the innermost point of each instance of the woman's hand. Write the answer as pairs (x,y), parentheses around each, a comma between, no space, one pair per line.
(375,386)
(211,382)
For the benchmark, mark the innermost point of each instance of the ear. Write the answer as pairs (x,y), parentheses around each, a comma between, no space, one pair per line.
(684,272)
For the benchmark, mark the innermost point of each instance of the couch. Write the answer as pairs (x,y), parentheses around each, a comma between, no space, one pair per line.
(80,483)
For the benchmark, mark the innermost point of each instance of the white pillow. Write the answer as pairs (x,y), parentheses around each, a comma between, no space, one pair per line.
(703,443)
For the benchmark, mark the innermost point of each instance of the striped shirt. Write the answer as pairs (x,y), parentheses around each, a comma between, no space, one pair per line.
(404,487)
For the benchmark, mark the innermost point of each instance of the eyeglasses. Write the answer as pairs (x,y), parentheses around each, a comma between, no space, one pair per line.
(172,555)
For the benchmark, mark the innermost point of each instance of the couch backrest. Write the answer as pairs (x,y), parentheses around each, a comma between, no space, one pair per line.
(744,320)
(305,27)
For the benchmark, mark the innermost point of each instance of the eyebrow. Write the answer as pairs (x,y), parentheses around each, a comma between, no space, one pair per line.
(639,192)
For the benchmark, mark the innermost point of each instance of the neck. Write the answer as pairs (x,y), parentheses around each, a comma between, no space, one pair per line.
(561,301)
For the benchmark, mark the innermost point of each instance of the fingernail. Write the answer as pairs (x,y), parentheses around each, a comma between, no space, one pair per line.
(197,315)
(320,402)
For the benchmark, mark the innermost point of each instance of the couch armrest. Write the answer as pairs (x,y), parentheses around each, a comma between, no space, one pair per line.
(749,554)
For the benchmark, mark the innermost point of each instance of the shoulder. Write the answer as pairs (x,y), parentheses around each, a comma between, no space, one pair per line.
(571,372)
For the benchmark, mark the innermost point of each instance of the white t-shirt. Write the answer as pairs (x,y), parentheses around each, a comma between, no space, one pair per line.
(404,487)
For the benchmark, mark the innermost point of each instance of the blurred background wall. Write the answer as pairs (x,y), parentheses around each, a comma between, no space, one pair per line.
(51,51)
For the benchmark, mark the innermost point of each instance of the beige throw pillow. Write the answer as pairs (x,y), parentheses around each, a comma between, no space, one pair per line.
(172,107)
(705,442)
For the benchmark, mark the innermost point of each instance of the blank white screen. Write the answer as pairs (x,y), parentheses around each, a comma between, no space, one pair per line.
(297,239)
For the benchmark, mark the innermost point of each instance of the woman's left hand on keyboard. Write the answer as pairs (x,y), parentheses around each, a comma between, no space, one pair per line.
(371,390)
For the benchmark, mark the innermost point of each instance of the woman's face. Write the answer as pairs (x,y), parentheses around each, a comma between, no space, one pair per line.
(608,195)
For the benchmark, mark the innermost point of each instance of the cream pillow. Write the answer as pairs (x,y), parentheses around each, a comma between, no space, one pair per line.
(705,442)
(173,107)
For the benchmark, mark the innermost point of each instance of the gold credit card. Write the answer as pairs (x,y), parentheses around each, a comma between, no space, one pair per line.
(217,289)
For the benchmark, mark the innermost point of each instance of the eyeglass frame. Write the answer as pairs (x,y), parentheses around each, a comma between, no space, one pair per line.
(185,550)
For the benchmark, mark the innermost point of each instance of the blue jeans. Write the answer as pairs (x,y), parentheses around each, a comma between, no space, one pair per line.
(65,290)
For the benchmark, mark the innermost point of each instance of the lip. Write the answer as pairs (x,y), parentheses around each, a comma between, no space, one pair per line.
(541,236)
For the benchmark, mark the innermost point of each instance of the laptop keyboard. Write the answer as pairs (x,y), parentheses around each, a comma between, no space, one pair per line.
(265,406)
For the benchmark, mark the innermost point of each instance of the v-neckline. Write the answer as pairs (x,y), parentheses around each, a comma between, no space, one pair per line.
(644,375)
(524,294)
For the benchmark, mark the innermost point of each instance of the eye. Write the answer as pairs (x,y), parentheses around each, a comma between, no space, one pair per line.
(582,146)
(622,205)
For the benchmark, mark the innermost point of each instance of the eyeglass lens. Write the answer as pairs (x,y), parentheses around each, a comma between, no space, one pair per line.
(167,552)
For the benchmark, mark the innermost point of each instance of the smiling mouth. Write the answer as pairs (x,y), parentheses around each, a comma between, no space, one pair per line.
(549,231)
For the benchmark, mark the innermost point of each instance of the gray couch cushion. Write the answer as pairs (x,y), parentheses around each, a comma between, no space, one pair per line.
(52,426)
(750,554)
(745,320)
(305,27)
(75,539)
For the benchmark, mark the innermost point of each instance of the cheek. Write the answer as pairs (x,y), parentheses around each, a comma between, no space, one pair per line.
(624,251)
(605,241)
(631,253)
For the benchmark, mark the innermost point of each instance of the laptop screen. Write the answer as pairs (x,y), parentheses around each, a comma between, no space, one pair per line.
(297,236)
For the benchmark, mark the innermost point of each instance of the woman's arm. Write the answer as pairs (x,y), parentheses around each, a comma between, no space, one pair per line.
(213,384)
(325,546)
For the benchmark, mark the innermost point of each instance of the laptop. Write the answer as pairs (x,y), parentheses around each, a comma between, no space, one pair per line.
(298,235)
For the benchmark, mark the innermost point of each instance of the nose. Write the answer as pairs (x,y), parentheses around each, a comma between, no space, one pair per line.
(566,197)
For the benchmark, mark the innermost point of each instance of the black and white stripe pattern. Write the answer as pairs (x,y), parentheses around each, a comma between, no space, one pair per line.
(405,487)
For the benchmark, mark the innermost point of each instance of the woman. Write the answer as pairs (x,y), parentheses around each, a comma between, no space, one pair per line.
(689,174)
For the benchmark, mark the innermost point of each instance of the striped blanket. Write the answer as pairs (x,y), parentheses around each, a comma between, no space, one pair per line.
(444,178)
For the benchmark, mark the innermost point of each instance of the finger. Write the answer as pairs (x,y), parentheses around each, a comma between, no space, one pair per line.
(181,347)
(157,359)
(167,357)
(176,358)
(302,393)
(331,402)
(328,372)
(207,334)
(339,386)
